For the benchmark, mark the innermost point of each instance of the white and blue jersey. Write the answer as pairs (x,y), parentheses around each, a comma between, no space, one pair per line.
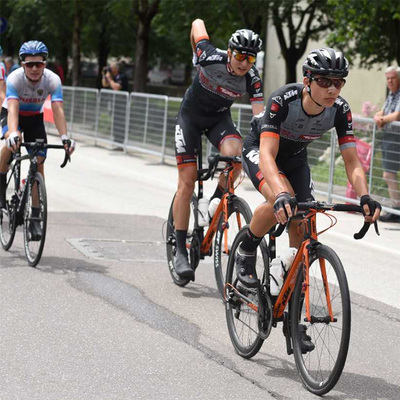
(31,96)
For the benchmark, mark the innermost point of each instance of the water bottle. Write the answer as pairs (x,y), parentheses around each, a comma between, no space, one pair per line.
(21,187)
(203,211)
(275,276)
(287,258)
(214,203)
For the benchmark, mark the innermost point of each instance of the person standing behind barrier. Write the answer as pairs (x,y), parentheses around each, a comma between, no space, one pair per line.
(391,140)
(223,77)
(114,79)
(10,66)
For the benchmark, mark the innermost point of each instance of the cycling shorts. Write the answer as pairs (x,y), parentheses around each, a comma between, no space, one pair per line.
(32,128)
(191,124)
(295,169)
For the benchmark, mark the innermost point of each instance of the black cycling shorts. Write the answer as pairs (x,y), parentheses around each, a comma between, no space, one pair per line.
(191,124)
(295,169)
(32,128)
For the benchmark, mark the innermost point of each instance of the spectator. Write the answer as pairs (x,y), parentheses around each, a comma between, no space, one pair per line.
(114,79)
(10,66)
(391,140)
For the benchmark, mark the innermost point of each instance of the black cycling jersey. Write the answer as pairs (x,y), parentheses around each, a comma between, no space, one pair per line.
(206,104)
(284,117)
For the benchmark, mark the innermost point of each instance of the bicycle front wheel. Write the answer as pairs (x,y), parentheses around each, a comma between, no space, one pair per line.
(321,365)
(35,219)
(242,319)
(8,215)
(239,215)
(192,245)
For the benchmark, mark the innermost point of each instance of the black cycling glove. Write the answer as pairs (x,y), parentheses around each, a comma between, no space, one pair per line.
(281,200)
(372,204)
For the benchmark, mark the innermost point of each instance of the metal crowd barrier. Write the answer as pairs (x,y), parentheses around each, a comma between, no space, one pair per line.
(146,123)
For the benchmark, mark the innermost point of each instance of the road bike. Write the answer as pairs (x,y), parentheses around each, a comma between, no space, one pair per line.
(313,302)
(21,196)
(230,216)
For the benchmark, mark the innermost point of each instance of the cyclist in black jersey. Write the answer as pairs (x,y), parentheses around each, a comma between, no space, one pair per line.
(223,77)
(275,152)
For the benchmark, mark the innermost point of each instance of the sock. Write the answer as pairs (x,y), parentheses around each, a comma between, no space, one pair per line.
(218,192)
(250,242)
(181,241)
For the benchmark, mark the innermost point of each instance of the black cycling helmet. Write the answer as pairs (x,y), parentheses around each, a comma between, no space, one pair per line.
(327,62)
(245,41)
(33,48)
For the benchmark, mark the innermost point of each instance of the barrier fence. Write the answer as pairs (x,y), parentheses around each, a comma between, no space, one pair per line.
(146,123)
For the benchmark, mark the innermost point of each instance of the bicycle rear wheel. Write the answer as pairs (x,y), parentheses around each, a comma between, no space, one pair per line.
(191,243)
(239,215)
(321,367)
(35,196)
(243,320)
(8,215)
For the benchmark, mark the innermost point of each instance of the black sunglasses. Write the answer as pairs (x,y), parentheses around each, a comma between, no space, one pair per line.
(327,83)
(31,64)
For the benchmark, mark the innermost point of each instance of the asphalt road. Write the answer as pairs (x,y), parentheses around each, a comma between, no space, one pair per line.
(101,319)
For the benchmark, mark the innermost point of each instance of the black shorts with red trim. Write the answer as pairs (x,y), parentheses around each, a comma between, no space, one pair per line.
(294,168)
(191,124)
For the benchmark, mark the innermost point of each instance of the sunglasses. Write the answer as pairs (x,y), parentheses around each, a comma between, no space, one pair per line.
(31,64)
(241,57)
(327,83)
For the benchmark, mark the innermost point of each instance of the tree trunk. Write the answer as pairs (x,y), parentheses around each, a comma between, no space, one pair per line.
(76,44)
(142,45)
(102,54)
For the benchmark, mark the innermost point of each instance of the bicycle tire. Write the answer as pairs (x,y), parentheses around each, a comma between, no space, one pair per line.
(33,246)
(237,208)
(8,217)
(321,368)
(171,241)
(242,320)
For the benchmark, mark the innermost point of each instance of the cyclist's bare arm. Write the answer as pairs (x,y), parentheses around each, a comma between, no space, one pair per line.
(12,115)
(2,92)
(59,120)
(198,32)
(257,108)
(357,178)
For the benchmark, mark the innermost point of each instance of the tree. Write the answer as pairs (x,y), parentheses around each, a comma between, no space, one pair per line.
(302,21)
(145,11)
(369,29)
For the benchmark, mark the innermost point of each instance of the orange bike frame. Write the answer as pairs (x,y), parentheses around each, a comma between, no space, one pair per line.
(222,208)
(302,260)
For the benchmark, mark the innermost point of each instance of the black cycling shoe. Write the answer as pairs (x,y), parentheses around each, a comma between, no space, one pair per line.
(182,266)
(306,345)
(35,231)
(245,268)
(389,217)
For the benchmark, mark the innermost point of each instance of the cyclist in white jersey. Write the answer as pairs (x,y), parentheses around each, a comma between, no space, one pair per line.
(22,110)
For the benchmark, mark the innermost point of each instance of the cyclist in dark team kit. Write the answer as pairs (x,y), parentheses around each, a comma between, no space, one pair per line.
(275,152)
(223,77)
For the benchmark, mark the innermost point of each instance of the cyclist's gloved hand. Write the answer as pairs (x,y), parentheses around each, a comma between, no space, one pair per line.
(284,207)
(371,207)
(69,145)
(13,140)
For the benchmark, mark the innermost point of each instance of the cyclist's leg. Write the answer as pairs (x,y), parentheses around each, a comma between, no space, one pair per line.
(299,176)
(5,154)
(33,128)
(225,136)
(185,139)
